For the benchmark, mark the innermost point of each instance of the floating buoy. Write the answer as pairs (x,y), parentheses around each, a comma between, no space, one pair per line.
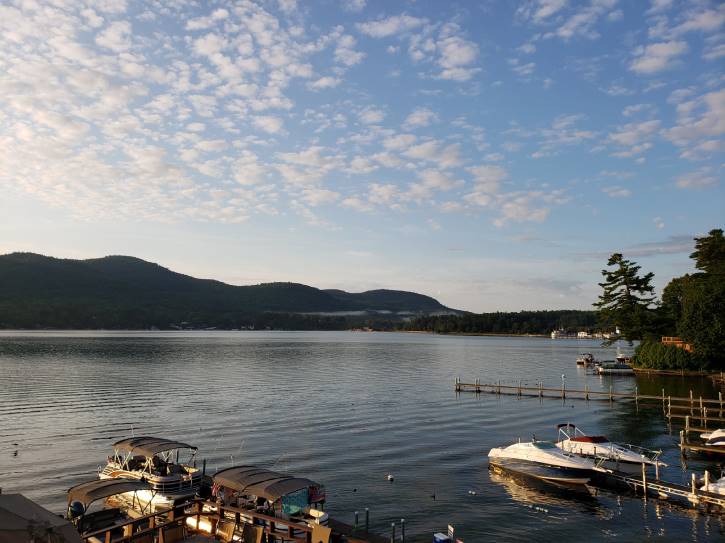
(390,477)
(472,492)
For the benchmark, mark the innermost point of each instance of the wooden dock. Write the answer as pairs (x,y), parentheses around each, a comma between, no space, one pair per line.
(690,495)
(715,408)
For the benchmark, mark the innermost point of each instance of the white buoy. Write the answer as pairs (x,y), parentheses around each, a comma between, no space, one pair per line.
(390,477)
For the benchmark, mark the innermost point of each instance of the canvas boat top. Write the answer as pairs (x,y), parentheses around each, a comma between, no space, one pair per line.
(256,481)
(90,491)
(150,446)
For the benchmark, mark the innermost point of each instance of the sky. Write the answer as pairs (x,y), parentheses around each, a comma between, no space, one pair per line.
(491,154)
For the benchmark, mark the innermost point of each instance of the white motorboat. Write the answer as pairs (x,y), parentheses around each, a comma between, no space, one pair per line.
(585,359)
(718,487)
(156,461)
(615,456)
(543,460)
(611,367)
(714,441)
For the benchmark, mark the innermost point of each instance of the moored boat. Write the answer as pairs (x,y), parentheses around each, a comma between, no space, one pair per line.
(585,359)
(87,504)
(714,441)
(157,461)
(542,460)
(611,367)
(610,455)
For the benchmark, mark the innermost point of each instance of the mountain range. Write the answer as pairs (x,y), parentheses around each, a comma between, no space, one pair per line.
(115,292)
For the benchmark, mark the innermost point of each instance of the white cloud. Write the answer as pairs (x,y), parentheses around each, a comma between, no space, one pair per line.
(659,223)
(616,191)
(540,10)
(371,115)
(432,151)
(702,179)
(318,196)
(354,6)
(657,56)
(390,26)
(421,116)
(703,117)
(116,36)
(582,23)
(487,179)
(268,123)
(327,82)
(635,137)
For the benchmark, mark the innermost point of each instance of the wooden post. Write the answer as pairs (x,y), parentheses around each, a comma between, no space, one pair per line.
(563,391)
(707,481)
(687,424)
(519,394)
(610,393)
(682,442)
(541,392)
(694,486)
(498,391)
(704,415)
(586,392)
(392,532)
(657,470)
(367,519)
(719,395)
(636,394)
(644,480)
(663,398)
(690,399)
(700,405)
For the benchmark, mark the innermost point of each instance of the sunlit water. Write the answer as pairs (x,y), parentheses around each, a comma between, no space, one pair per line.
(344,409)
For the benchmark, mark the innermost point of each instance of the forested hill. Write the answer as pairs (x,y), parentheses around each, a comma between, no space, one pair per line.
(124,292)
(520,322)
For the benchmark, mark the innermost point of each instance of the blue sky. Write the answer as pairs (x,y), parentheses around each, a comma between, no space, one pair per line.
(490,154)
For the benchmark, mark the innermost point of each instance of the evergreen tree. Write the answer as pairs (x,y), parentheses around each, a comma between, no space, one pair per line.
(625,302)
(709,252)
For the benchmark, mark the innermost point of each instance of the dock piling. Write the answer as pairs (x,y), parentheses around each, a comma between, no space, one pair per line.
(402,530)
(367,519)
(657,470)
(704,416)
(354,526)
(644,481)
(392,532)
(610,393)
(690,399)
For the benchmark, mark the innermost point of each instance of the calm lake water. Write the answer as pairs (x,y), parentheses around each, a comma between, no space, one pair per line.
(344,409)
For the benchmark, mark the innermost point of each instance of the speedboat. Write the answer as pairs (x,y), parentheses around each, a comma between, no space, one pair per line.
(156,461)
(543,460)
(611,367)
(715,439)
(615,456)
(718,487)
(585,359)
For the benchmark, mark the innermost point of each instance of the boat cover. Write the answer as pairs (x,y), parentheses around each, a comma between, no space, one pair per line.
(256,481)
(149,446)
(589,439)
(88,492)
(22,520)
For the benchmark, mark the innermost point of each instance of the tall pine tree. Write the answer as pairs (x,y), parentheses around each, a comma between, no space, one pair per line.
(625,302)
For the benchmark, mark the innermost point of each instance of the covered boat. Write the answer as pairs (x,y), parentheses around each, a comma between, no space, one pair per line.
(283,496)
(157,461)
(585,359)
(543,460)
(86,502)
(615,456)
(23,520)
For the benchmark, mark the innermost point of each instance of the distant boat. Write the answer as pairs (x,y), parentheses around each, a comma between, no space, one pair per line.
(715,440)
(612,367)
(610,455)
(585,359)
(543,460)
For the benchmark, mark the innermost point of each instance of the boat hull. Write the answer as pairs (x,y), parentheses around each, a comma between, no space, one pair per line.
(543,471)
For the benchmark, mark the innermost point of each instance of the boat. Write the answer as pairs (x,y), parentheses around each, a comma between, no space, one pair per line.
(585,359)
(714,438)
(542,460)
(87,504)
(612,367)
(717,487)
(609,455)
(155,460)
(295,500)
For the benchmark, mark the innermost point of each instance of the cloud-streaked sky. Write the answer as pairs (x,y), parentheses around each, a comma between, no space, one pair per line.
(490,154)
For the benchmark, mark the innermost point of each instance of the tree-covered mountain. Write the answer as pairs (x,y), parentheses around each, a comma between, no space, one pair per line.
(124,292)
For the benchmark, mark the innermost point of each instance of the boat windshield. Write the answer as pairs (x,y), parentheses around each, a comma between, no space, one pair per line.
(543,445)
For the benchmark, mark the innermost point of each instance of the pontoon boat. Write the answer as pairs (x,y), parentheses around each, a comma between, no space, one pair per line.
(611,367)
(155,460)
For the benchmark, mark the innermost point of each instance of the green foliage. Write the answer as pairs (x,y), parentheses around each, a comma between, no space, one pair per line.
(522,322)
(655,355)
(124,292)
(625,302)
(702,322)
(709,252)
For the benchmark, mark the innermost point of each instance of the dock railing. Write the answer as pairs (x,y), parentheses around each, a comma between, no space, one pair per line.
(170,525)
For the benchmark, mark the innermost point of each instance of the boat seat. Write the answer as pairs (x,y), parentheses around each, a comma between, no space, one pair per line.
(225,530)
(252,534)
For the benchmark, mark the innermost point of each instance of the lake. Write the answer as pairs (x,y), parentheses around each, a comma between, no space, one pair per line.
(345,409)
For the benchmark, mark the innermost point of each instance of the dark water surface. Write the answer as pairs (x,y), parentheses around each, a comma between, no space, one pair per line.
(344,409)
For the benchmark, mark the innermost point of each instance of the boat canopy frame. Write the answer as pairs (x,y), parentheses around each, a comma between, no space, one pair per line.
(150,447)
(91,491)
(270,485)
(570,431)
